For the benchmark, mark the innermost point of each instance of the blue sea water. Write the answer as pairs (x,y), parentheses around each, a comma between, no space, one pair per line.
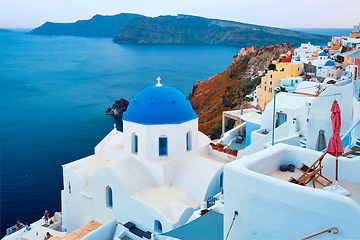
(54,93)
(337,32)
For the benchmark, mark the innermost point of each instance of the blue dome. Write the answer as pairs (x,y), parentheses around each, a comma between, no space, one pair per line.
(329,63)
(322,54)
(159,105)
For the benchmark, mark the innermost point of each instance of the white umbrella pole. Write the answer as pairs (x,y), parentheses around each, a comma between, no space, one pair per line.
(336,176)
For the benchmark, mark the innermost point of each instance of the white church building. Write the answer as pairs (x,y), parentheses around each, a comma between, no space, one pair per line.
(154,174)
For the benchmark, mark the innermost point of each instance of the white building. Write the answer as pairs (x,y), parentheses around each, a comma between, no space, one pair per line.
(322,70)
(260,203)
(304,52)
(146,174)
(351,42)
(290,83)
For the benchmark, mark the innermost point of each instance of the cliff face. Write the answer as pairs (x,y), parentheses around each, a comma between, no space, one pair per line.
(227,90)
(181,29)
(184,29)
(97,26)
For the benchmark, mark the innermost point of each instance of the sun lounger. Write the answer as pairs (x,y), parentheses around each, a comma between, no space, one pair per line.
(312,173)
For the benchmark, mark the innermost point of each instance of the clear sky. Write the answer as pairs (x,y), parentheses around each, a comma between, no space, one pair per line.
(274,13)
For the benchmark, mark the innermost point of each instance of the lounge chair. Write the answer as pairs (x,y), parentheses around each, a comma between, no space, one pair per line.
(306,178)
(312,173)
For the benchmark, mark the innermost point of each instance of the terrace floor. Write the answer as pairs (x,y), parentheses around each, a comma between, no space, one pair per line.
(237,146)
(353,188)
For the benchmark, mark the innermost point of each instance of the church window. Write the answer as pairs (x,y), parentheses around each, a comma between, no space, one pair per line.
(157,226)
(109,197)
(134,143)
(163,147)
(265,88)
(188,141)
(221,179)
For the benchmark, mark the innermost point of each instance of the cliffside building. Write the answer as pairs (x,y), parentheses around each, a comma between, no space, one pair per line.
(304,53)
(265,91)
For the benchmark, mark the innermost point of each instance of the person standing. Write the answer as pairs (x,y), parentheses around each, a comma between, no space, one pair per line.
(46,216)
(28,228)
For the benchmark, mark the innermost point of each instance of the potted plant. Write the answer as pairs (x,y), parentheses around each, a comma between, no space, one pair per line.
(234,152)
(228,150)
(220,146)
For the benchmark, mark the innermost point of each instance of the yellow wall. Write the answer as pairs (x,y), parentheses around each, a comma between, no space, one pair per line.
(266,92)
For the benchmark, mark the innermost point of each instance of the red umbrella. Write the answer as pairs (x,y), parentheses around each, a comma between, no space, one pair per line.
(335,146)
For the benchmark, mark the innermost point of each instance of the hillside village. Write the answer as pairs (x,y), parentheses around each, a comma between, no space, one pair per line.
(307,70)
(291,103)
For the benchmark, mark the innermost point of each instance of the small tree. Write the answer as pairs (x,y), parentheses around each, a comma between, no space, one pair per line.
(319,89)
(281,89)
(272,66)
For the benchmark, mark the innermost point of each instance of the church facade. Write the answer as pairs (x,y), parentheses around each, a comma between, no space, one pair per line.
(155,173)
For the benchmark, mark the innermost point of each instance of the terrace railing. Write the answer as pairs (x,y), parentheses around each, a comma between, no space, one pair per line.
(347,137)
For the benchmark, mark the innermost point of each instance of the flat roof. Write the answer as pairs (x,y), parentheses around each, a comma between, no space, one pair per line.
(83,230)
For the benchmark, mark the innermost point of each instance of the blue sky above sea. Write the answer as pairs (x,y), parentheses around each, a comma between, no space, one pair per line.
(275,13)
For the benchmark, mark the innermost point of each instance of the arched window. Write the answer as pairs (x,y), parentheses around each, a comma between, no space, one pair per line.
(221,179)
(109,197)
(157,226)
(134,144)
(188,141)
(163,146)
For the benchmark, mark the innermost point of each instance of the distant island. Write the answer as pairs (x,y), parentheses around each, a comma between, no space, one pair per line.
(97,26)
(181,29)
(5,30)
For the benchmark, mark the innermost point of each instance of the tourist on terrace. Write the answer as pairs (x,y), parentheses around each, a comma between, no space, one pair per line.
(28,228)
(46,216)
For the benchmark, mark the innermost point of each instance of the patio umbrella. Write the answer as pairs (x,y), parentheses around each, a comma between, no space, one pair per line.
(335,146)
(321,141)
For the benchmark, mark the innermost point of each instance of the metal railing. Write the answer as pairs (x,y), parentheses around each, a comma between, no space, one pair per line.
(330,230)
(346,138)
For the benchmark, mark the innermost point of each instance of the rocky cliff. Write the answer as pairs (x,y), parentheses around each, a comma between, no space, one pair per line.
(97,26)
(185,29)
(228,89)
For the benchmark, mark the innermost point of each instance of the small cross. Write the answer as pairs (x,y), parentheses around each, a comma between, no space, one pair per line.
(158,84)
